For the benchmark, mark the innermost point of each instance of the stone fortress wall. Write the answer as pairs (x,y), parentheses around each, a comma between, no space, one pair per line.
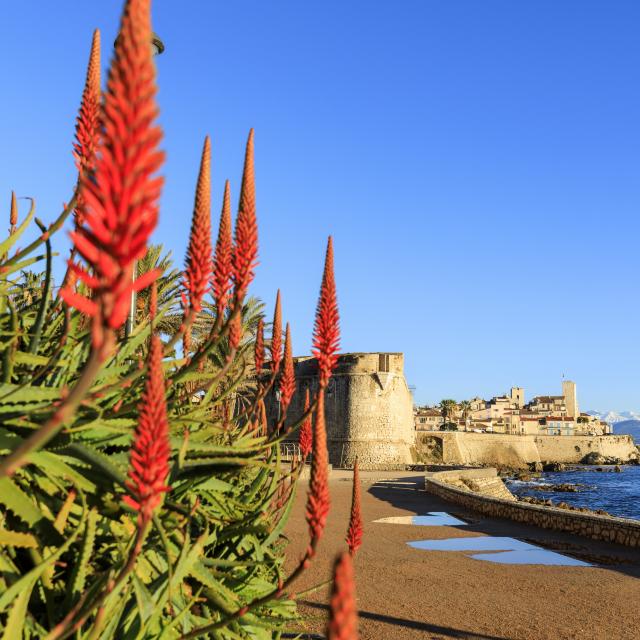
(369,415)
(368,408)
(476,489)
(521,450)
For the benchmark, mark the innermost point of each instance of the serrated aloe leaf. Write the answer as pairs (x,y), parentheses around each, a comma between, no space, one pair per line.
(14,499)
(81,566)
(17,615)
(17,539)
(29,579)
(52,464)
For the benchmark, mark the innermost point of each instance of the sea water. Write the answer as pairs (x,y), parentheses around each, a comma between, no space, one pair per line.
(616,493)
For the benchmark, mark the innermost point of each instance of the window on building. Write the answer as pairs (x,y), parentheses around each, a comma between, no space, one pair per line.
(383,362)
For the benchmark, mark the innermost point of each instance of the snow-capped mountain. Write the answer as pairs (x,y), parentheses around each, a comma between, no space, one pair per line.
(614,416)
(624,422)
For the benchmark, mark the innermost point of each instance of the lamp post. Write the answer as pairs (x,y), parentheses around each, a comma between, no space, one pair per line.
(157,47)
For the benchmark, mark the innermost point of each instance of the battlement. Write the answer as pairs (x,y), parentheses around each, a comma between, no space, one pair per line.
(354,363)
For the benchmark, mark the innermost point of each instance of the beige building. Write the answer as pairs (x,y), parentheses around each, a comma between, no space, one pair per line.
(543,415)
(428,419)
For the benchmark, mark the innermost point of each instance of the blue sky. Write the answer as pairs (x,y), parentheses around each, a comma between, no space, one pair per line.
(476,163)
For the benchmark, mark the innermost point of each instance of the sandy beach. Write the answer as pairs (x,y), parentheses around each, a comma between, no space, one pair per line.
(411,593)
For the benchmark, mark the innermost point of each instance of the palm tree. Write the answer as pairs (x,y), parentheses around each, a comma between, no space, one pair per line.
(465,408)
(448,408)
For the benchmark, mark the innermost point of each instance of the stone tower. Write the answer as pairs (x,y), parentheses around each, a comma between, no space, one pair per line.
(517,396)
(570,398)
(368,408)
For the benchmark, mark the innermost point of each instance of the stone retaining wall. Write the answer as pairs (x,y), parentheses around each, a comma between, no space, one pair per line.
(520,450)
(596,527)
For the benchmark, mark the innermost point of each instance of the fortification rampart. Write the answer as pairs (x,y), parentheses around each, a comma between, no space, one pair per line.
(597,527)
(368,408)
(519,451)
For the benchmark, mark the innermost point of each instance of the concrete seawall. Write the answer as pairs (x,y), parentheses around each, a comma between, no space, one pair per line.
(519,451)
(448,485)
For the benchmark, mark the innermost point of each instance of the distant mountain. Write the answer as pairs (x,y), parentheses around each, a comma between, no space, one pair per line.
(630,427)
(624,422)
(614,417)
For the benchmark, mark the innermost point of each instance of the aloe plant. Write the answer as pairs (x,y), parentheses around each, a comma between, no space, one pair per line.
(142,493)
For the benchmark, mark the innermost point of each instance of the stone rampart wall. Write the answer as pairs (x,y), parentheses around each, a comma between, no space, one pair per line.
(518,451)
(368,411)
(608,529)
(574,448)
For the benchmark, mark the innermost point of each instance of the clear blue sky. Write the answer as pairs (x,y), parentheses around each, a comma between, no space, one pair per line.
(476,162)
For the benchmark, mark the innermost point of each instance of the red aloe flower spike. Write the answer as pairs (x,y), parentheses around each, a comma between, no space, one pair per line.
(326,333)
(318,498)
(245,256)
(186,342)
(13,213)
(306,433)
(223,260)
(354,534)
(153,300)
(263,416)
(235,331)
(70,280)
(88,121)
(276,336)
(343,618)
(199,263)
(121,196)
(288,379)
(259,347)
(149,458)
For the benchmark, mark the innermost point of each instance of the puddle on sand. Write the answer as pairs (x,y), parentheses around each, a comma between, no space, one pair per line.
(433,519)
(506,550)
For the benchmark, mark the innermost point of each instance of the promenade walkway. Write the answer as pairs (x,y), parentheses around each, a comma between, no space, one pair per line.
(406,593)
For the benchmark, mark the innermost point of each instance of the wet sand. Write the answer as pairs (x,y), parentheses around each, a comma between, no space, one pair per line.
(406,593)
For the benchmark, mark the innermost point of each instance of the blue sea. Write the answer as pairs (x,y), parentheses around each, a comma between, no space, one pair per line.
(616,493)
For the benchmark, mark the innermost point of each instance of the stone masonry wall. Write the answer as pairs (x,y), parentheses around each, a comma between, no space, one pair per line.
(608,529)
(369,413)
(519,450)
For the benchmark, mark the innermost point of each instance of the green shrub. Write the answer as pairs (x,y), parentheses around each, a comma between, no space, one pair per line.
(141,489)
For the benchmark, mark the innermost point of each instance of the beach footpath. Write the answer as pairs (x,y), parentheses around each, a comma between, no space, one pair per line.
(504,582)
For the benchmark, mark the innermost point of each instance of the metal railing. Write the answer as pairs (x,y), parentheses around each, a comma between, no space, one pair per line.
(290,451)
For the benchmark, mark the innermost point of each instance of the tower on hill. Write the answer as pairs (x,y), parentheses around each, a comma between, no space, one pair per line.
(570,398)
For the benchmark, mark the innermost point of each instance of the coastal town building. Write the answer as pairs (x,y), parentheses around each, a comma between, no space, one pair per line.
(509,414)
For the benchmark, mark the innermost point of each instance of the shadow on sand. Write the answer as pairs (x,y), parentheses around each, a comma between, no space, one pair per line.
(446,632)
(408,493)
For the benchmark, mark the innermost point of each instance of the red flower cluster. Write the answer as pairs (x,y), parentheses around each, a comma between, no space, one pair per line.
(13,213)
(259,347)
(245,255)
(235,331)
(276,336)
(88,121)
(149,458)
(326,333)
(222,263)
(318,499)
(121,196)
(343,619)
(198,268)
(288,379)
(306,433)
(354,533)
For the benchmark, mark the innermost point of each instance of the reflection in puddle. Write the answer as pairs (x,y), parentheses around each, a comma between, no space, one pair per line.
(433,519)
(512,551)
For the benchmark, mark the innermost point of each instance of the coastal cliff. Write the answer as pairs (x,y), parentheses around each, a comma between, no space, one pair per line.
(520,451)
